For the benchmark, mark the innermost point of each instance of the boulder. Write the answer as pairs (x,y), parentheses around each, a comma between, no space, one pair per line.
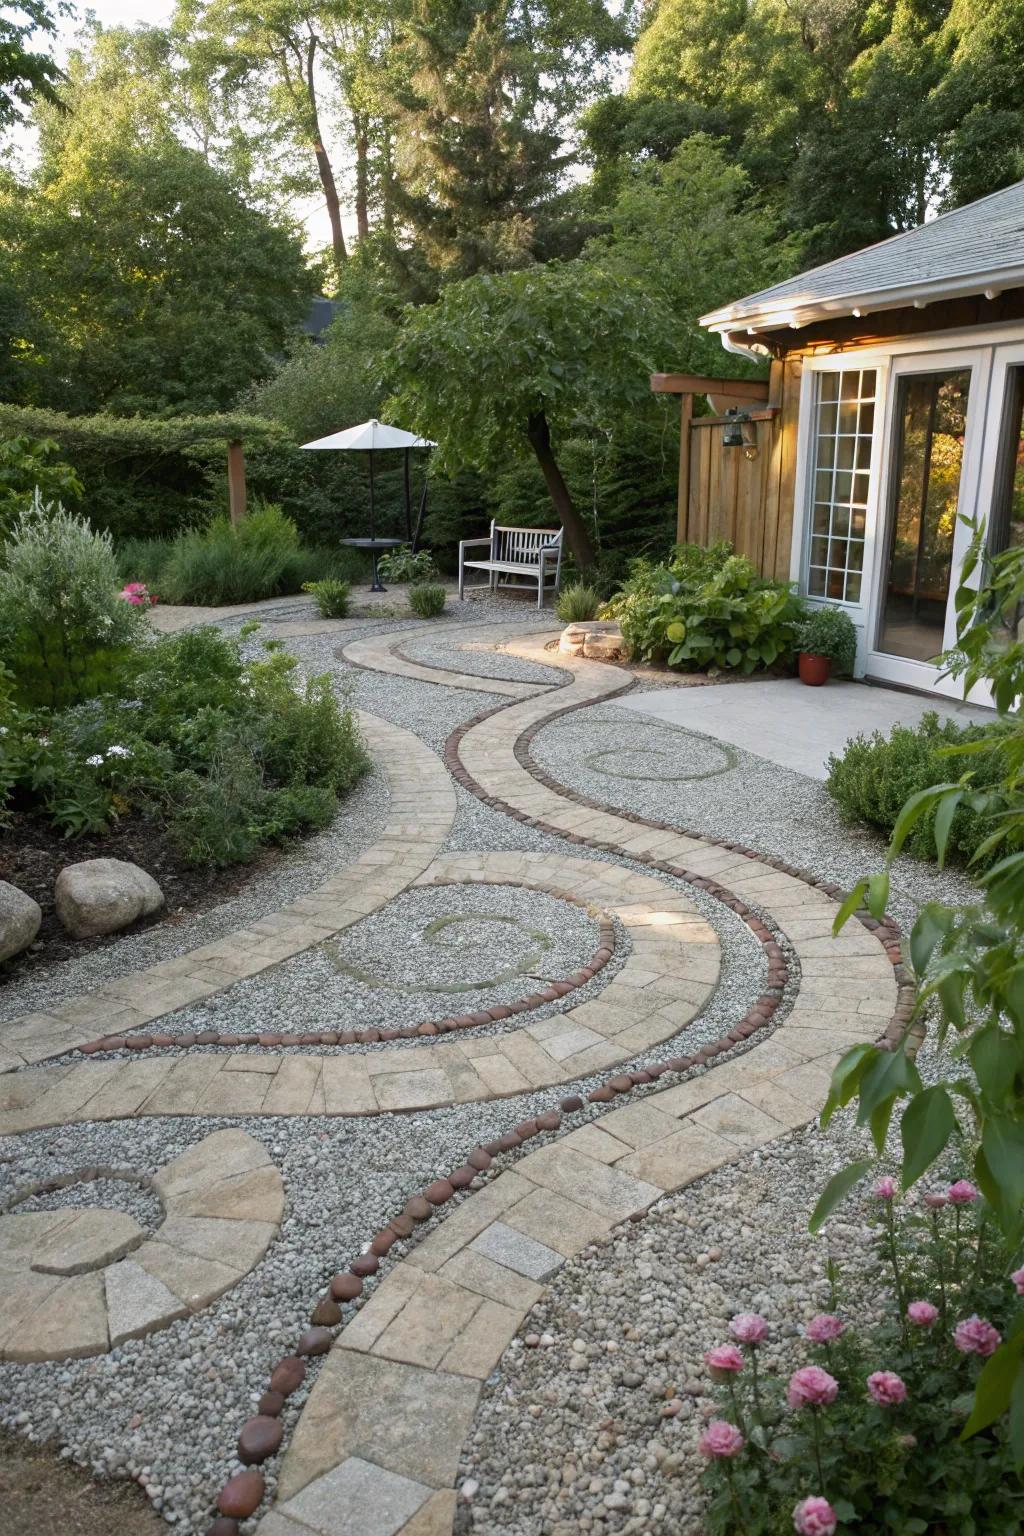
(20,917)
(599,639)
(103,895)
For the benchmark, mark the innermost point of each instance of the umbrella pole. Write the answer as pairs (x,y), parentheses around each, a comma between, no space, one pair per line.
(419,515)
(408,500)
(373,533)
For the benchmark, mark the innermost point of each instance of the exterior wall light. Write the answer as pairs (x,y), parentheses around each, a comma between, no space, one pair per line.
(738,431)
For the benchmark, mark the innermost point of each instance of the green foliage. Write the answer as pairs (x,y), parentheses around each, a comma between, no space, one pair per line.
(63,629)
(244,562)
(828,631)
(706,608)
(875,776)
(427,601)
(26,73)
(332,597)
(970,959)
(890,1467)
(228,754)
(403,565)
(29,465)
(576,603)
(143,560)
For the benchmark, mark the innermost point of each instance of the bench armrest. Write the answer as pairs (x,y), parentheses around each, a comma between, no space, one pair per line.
(465,543)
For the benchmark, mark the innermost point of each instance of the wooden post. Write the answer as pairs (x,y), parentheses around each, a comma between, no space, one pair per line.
(236,481)
(683,503)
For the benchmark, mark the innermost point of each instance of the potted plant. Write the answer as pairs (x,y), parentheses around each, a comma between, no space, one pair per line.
(825,640)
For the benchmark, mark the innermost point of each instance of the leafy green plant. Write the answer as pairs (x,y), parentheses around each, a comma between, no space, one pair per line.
(332,597)
(874,777)
(31,465)
(577,603)
(866,1435)
(970,961)
(427,601)
(828,631)
(259,557)
(403,565)
(706,608)
(64,632)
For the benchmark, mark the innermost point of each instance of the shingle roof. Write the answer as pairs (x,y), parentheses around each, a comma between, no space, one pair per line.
(968,250)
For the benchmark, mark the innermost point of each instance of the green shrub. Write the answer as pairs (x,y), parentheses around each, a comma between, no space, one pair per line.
(427,601)
(31,466)
(402,565)
(874,776)
(577,603)
(144,560)
(829,631)
(332,597)
(706,609)
(244,562)
(64,632)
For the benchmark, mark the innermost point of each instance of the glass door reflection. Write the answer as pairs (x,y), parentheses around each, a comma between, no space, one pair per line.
(931,420)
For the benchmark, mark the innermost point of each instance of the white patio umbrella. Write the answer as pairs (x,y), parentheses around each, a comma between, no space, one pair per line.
(368,437)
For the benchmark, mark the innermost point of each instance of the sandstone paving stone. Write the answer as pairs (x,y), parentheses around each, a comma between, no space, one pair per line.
(238,1244)
(195,1281)
(207,1162)
(137,1302)
(557,1221)
(92,1238)
(463,1223)
(357,1495)
(678,1159)
(21,1296)
(737,1120)
(476,1272)
(407,1420)
(22,1233)
(481,1342)
(514,1250)
(254,1196)
(598,1188)
(594,1141)
(435,1517)
(70,1322)
(433,1318)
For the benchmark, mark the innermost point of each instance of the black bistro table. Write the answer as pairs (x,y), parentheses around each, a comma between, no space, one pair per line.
(374,546)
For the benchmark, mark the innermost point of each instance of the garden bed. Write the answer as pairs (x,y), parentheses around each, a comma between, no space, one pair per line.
(32,855)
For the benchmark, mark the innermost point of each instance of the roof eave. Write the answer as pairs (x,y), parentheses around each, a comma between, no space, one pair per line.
(791,316)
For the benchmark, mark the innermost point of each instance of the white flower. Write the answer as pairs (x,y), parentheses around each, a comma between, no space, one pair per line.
(96,761)
(118,752)
(3,730)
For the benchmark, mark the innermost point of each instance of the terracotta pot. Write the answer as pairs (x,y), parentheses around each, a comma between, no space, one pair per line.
(814,670)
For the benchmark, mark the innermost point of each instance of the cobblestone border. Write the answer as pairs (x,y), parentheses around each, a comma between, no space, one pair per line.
(269,1038)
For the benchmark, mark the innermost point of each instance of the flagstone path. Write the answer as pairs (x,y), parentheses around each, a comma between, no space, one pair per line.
(377,1444)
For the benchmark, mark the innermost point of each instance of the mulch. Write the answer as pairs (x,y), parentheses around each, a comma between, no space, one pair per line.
(32,855)
(41,1495)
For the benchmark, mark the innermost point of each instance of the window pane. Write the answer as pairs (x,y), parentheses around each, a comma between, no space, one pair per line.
(841,480)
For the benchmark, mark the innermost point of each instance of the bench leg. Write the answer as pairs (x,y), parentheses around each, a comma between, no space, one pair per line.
(462,581)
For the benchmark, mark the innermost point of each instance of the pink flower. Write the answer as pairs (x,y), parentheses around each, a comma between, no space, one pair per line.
(724,1358)
(922,1314)
(962,1192)
(824,1328)
(720,1439)
(975,1336)
(885,1189)
(815,1517)
(811,1387)
(935,1200)
(887,1388)
(749,1328)
(136,594)
(1018,1279)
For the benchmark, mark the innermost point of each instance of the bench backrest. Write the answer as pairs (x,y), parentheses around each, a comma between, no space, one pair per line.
(522,545)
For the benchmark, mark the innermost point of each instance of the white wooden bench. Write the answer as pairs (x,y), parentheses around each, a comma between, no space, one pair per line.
(531,553)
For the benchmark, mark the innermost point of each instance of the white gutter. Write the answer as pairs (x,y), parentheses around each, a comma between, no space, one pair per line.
(794,314)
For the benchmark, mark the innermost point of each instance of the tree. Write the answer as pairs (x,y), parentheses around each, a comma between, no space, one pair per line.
(509,363)
(481,123)
(145,281)
(25,73)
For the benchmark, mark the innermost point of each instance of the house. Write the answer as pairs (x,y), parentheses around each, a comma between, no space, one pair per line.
(893,410)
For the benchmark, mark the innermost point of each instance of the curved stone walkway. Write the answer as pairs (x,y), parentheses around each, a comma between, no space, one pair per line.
(421,810)
(377,1444)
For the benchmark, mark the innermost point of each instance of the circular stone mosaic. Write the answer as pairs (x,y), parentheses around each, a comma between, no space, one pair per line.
(653,751)
(79,1275)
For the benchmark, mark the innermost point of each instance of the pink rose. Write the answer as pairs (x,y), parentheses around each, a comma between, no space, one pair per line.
(1018,1280)
(724,1357)
(885,1189)
(824,1328)
(962,1192)
(922,1314)
(887,1388)
(720,1439)
(975,1336)
(935,1200)
(749,1328)
(815,1517)
(811,1387)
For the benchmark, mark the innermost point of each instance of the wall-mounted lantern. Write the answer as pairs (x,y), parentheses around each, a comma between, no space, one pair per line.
(738,431)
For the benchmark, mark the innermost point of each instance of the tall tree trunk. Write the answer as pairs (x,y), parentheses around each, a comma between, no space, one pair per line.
(362,176)
(577,537)
(323,163)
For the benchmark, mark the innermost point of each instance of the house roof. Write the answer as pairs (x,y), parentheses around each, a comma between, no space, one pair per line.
(975,249)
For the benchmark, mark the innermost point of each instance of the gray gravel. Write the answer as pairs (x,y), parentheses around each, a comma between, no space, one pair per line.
(128,1194)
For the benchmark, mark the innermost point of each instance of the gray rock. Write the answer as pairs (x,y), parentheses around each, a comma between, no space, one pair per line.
(20,917)
(103,895)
